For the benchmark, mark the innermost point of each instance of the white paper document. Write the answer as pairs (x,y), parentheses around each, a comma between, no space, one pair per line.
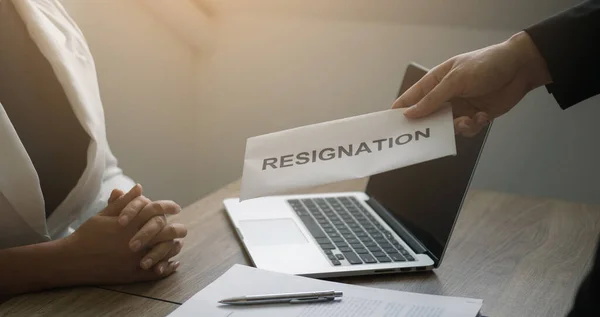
(343,149)
(357,301)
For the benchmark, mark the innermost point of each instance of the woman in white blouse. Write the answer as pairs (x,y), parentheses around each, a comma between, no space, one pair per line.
(68,215)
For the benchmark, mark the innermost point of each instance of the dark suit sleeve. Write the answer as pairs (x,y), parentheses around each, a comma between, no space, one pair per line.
(569,42)
(586,301)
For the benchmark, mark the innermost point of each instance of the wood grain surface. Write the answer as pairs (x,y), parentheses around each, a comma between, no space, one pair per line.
(523,256)
(83,302)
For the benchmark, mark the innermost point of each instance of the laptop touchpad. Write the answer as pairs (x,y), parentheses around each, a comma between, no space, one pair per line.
(265,232)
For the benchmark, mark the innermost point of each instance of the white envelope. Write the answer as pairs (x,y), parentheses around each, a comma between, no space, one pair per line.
(343,149)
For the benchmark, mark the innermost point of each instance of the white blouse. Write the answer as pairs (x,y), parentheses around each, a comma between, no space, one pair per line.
(56,168)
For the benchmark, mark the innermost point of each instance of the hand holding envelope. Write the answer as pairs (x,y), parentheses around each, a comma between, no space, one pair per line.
(343,149)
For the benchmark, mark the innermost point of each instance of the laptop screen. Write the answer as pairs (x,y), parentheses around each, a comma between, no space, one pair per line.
(426,198)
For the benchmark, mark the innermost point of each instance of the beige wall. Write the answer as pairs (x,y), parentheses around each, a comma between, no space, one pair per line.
(178,122)
(147,82)
(284,64)
(485,14)
(273,72)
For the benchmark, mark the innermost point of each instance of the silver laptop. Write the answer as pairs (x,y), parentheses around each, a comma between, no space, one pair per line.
(402,222)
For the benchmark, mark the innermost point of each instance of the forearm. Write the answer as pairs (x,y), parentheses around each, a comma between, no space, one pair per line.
(32,268)
(533,69)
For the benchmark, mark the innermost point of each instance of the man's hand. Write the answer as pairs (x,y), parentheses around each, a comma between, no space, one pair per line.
(481,85)
(99,251)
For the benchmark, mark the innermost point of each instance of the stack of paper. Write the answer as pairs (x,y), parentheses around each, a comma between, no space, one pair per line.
(357,301)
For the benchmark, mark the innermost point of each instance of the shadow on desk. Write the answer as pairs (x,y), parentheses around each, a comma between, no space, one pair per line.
(419,282)
(83,302)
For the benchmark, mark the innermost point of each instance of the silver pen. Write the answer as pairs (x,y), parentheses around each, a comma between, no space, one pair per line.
(291,298)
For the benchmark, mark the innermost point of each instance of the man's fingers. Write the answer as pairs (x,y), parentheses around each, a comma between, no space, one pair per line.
(421,88)
(417,91)
(133,209)
(463,124)
(468,127)
(114,208)
(170,232)
(471,131)
(481,118)
(160,252)
(434,100)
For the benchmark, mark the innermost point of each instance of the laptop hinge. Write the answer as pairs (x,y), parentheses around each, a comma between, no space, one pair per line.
(401,230)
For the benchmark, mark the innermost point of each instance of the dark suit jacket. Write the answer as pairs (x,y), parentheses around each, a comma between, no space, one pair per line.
(570,44)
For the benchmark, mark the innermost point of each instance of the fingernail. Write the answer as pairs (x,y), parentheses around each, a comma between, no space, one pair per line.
(136,187)
(135,245)
(146,264)
(176,265)
(161,269)
(123,220)
(410,110)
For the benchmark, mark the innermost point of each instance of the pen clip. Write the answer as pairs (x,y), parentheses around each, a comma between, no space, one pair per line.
(311,300)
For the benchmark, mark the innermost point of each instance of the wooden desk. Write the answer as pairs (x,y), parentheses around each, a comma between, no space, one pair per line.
(522,256)
(83,302)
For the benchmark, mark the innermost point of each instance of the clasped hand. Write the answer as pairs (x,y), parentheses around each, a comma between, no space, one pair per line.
(130,240)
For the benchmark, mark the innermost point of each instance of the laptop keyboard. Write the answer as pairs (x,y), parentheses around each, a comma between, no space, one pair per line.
(346,231)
